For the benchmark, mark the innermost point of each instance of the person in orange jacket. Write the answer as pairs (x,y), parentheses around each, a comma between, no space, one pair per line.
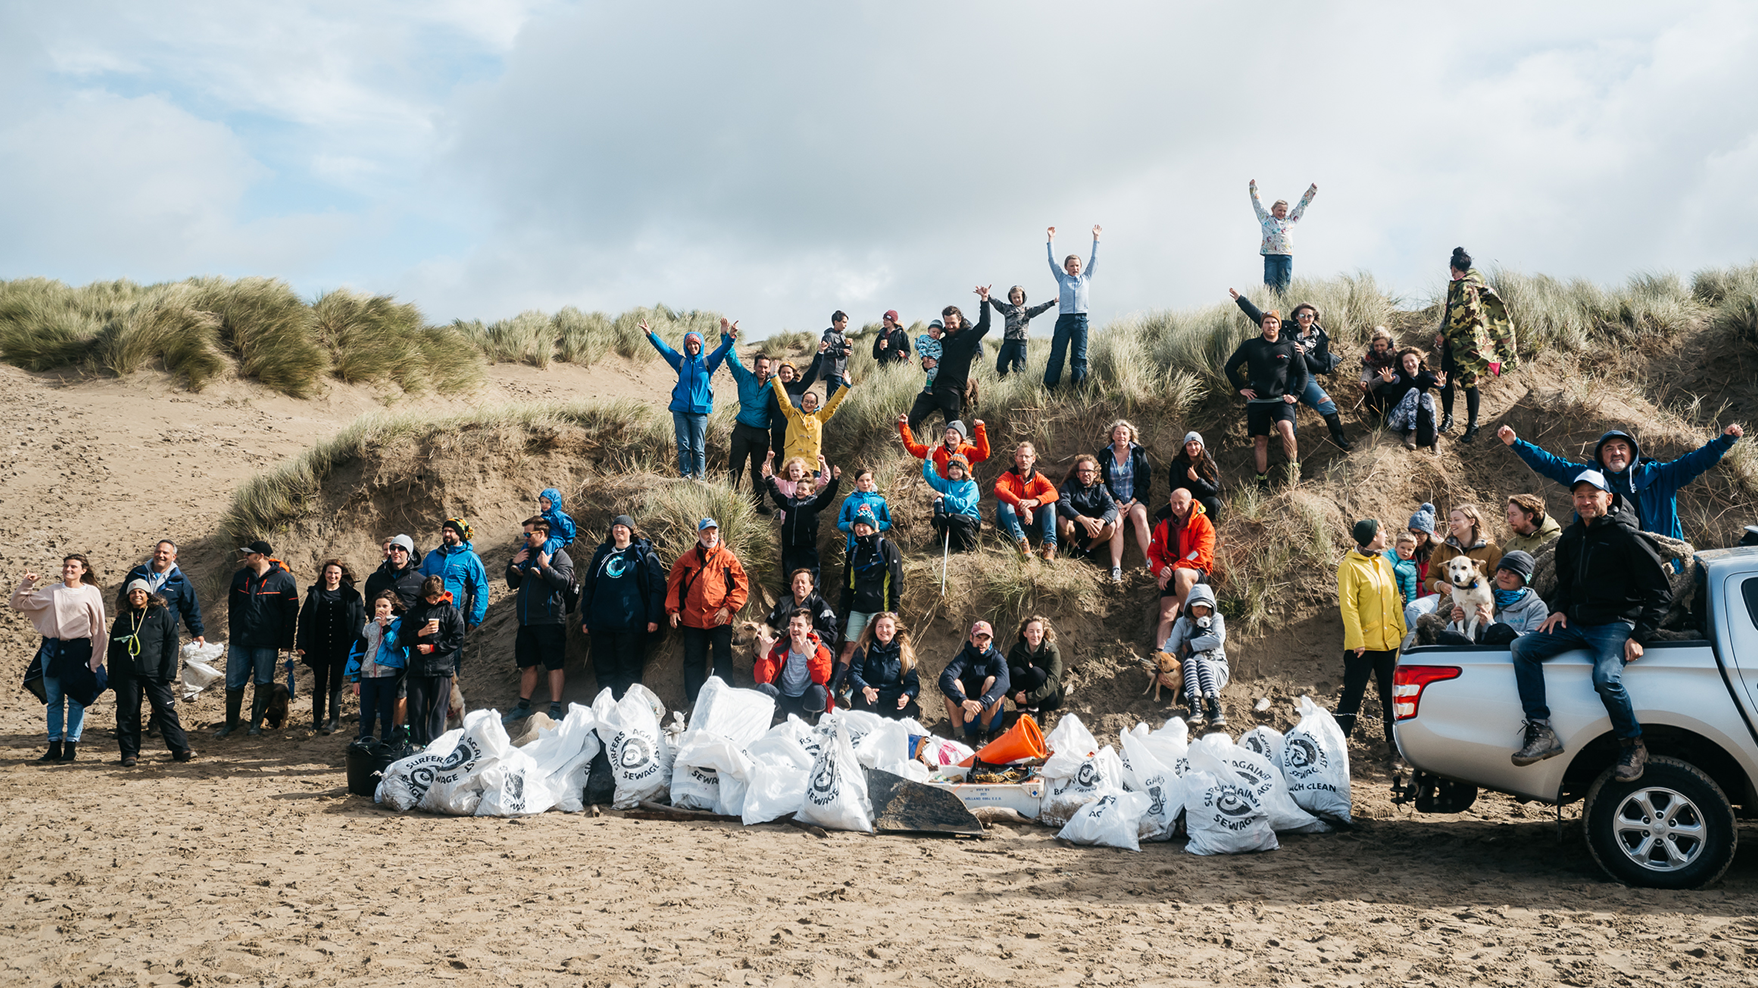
(1024,497)
(706,588)
(1181,553)
(796,672)
(974,451)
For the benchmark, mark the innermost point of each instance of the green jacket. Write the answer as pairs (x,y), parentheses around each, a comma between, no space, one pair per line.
(1476,324)
(1530,544)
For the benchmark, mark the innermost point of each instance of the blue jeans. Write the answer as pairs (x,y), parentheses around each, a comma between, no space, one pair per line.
(1011,358)
(1316,398)
(692,430)
(1043,519)
(1606,642)
(241,661)
(1071,328)
(1278,271)
(75,711)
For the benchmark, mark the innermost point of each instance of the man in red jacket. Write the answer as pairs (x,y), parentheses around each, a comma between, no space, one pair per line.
(796,672)
(706,588)
(1181,553)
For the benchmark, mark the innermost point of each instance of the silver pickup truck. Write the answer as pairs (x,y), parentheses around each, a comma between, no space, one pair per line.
(1458,719)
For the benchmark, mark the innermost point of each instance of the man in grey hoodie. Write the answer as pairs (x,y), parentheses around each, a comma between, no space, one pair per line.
(542,583)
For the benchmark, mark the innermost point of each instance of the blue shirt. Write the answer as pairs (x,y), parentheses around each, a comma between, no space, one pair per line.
(1071,289)
(753,394)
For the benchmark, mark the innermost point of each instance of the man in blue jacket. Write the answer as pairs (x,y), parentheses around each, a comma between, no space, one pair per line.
(456,562)
(1650,485)
(750,431)
(977,668)
(165,579)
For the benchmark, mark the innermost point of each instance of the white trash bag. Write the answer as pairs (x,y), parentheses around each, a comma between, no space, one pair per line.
(836,790)
(640,756)
(740,716)
(1146,774)
(457,782)
(1170,744)
(563,755)
(1266,741)
(779,767)
(1315,762)
(405,781)
(1092,777)
(1112,820)
(710,773)
(199,669)
(514,786)
(1267,784)
(1221,814)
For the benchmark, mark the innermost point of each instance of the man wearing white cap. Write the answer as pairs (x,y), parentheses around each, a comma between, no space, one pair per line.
(1611,592)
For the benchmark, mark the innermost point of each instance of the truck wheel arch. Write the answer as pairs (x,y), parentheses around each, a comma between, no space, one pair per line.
(1663,740)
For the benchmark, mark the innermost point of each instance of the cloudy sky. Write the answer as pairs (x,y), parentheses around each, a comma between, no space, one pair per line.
(778,160)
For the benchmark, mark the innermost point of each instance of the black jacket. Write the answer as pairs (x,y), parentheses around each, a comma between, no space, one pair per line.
(897,349)
(1393,391)
(881,666)
(623,589)
(1273,369)
(1093,502)
(146,651)
(1178,474)
(873,580)
(957,350)
(407,583)
(800,527)
(179,595)
(823,616)
(329,625)
(972,667)
(443,660)
(1609,571)
(542,593)
(263,611)
(1317,348)
(836,358)
(1142,477)
(1048,658)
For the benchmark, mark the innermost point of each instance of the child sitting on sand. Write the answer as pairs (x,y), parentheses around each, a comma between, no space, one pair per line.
(561,524)
(1197,640)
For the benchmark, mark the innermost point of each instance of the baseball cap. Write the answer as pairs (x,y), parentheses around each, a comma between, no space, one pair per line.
(707,523)
(259,546)
(1593,477)
(982,628)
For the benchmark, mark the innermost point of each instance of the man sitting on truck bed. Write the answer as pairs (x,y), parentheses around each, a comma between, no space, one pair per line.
(1611,593)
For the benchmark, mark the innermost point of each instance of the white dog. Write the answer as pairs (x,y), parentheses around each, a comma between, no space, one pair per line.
(1472,590)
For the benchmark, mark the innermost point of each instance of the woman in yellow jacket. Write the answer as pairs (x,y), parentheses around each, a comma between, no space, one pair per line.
(805,425)
(1373,625)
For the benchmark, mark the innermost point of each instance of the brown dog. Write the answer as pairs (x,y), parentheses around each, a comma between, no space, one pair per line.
(1164,670)
(276,712)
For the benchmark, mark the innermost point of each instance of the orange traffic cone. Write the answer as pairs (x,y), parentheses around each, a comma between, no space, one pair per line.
(1021,742)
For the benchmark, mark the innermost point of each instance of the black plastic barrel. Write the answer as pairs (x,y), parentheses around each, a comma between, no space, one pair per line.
(367,761)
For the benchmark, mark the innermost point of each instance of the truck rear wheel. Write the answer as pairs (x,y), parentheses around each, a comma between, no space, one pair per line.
(1673,828)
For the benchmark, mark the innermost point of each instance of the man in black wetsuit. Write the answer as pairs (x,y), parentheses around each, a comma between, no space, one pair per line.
(1275,377)
(959,347)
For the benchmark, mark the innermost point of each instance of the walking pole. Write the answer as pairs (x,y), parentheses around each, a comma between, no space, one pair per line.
(945,554)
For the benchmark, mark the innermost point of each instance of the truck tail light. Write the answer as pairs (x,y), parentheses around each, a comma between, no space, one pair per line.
(1407,685)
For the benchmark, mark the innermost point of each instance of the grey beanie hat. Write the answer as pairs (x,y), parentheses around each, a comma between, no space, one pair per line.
(1194,437)
(623,520)
(1518,563)
(406,542)
(958,424)
(1423,519)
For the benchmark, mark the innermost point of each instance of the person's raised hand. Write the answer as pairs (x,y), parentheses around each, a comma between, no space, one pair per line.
(1440,379)
(836,473)
(1734,430)
(1388,375)
(1095,231)
(1233,292)
(1313,187)
(30,578)
(642,325)
(823,345)
(1506,435)
(976,423)
(1051,231)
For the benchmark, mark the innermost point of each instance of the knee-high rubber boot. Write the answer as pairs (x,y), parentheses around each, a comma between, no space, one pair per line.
(335,710)
(234,704)
(259,704)
(317,709)
(1335,422)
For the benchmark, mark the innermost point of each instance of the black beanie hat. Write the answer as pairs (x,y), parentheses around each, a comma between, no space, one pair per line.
(1365,530)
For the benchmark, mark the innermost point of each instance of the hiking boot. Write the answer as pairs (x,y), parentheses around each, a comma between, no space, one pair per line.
(1194,705)
(1217,720)
(53,754)
(1631,760)
(1049,550)
(183,756)
(1025,547)
(1541,743)
(70,750)
(1446,423)
(130,762)
(1263,483)
(1410,439)
(556,713)
(1470,433)
(1116,574)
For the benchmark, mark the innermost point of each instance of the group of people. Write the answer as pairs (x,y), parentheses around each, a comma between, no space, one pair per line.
(1611,592)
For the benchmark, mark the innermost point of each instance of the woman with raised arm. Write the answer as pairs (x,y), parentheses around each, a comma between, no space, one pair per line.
(692,398)
(70,618)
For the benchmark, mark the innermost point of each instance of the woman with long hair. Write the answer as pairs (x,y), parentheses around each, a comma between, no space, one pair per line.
(329,625)
(1034,667)
(1195,470)
(1475,338)
(70,617)
(882,673)
(143,660)
(1129,476)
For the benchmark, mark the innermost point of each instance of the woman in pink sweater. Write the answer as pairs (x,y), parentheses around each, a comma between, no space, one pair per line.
(70,617)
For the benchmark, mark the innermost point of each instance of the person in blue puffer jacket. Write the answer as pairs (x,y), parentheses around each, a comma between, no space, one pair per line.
(692,399)
(456,562)
(1651,486)
(866,493)
(561,524)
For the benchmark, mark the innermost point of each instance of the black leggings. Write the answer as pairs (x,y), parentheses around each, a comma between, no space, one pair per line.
(326,678)
(949,403)
(619,658)
(1029,679)
(960,531)
(1356,669)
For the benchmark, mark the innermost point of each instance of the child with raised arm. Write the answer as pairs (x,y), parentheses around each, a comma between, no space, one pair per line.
(1071,311)
(1018,319)
(1278,244)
